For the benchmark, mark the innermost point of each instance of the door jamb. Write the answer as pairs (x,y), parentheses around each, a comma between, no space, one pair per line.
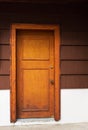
(56,30)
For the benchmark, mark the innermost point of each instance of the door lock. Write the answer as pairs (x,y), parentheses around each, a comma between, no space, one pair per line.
(52,82)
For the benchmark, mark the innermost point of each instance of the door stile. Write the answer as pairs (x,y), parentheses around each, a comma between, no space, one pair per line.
(57,74)
(13,75)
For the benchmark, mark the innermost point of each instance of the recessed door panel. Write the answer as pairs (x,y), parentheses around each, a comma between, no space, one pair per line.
(35,74)
(39,49)
(38,98)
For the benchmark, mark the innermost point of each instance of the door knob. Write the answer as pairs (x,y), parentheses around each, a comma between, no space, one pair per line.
(52,82)
(51,67)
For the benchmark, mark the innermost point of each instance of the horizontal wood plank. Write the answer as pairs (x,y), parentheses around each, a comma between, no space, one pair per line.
(4,82)
(77,81)
(4,36)
(74,67)
(5,52)
(4,67)
(5,25)
(74,38)
(74,31)
(74,52)
(74,22)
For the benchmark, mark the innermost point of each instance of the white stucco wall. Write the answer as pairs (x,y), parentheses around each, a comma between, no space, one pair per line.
(4,107)
(74,106)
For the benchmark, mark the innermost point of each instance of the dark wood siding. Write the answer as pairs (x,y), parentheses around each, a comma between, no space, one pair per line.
(74,67)
(4,36)
(4,58)
(4,82)
(4,52)
(74,40)
(74,81)
(74,52)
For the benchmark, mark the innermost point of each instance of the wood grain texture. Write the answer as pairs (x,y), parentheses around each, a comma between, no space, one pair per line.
(4,82)
(4,36)
(35,48)
(53,28)
(73,28)
(13,75)
(74,81)
(5,52)
(74,67)
(57,73)
(74,52)
(4,67)
(74,38)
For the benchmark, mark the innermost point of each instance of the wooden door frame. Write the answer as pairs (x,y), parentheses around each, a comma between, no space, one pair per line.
(13,77)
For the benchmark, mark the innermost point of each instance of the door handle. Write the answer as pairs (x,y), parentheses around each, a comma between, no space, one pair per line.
(52,82)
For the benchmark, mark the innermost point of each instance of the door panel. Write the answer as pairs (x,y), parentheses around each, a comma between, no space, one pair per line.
(35,71)
(37,98)
(37,47)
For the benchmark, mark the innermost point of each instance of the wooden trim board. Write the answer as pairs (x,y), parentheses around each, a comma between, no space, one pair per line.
(13,77)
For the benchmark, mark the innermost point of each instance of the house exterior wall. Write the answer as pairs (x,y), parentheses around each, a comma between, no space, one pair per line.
(73,55)
(74,107)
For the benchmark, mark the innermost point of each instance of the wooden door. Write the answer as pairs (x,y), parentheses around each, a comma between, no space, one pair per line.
(35,73)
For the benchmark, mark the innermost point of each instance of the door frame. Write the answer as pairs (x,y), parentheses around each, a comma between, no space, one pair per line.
(13,80)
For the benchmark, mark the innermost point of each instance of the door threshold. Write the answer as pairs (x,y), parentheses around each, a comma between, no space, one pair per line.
(35,121)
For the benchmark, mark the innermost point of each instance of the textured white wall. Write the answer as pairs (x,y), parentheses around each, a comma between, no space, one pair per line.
(4,107)
(74,106)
